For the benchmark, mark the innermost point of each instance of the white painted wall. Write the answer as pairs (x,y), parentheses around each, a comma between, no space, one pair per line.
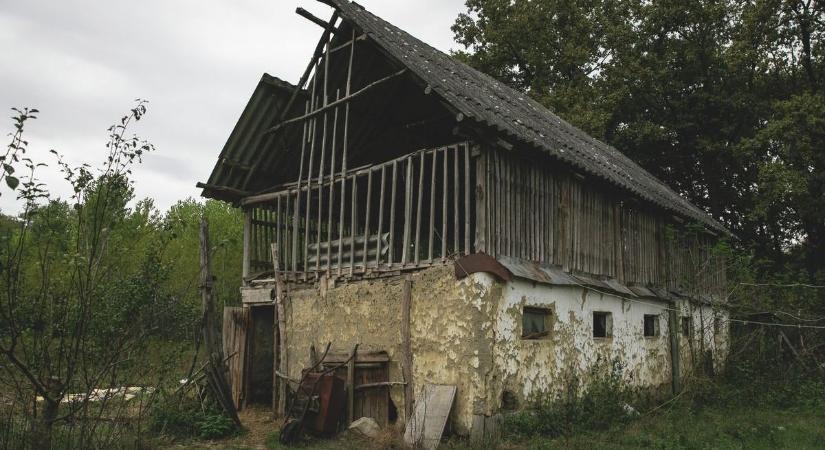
(529,368)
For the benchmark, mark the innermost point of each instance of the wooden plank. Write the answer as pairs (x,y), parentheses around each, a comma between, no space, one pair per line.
(407,213)
(380,214)
(280,360)
(313,133)
(297,209)
(431,230)
(444,208)
(332,181)
(456,181)
(367,218)
(432,408)
(467,242)
(247,242)
(344,152)
(481,203)
(353,224)
(351,385)
(393,194)
(420,196)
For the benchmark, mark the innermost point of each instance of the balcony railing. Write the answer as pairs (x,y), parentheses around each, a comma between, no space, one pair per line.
(413,211)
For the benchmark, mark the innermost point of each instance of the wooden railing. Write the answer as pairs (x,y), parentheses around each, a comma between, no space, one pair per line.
(413,211)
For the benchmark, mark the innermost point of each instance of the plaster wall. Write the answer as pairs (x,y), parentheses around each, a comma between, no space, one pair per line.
(468,332)
(445,318)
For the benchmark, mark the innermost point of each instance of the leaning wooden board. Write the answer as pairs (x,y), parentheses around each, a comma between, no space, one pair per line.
(432,408)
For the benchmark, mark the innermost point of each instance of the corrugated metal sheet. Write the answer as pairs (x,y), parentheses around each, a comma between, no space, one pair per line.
(247,142)
(494,104)
(542,273)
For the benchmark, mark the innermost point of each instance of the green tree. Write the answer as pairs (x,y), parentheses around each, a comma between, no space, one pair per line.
(718,98)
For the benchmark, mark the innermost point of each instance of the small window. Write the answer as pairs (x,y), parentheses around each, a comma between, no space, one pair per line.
(535,323)
(687,326)
(651,325)
(602,324)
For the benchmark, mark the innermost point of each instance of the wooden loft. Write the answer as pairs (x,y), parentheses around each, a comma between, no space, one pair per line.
(411,212)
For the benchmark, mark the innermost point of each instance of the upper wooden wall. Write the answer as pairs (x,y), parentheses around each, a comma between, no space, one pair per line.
(530,211)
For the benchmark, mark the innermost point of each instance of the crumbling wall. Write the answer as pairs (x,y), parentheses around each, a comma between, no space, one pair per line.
(445,316)
(468,333)
(528,369)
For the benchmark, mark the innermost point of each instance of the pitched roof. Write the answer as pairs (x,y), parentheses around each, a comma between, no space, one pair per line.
(481,98)
(248,139)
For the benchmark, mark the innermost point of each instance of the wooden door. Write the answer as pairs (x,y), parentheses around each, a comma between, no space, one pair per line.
(236,324)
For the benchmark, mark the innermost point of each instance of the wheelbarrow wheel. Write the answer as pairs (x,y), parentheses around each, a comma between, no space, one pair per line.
(290,432)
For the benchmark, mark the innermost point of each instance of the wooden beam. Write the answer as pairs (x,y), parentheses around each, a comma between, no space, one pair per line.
(351,385)
(309,16)
(305,76)
(348,98)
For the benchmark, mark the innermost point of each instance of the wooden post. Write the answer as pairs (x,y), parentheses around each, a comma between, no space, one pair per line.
(280,356)
(481,201)
(351,385)
(675,362)
(247,256)
(406,346)
(216,368)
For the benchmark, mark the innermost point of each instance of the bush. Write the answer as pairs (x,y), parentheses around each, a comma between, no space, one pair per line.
(598,407)
(188,419)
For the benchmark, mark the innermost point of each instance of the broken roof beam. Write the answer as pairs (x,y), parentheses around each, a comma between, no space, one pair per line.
(328,26)
(319,50)
(337,102)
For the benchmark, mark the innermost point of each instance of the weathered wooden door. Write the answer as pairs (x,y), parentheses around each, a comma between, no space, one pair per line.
(236,324)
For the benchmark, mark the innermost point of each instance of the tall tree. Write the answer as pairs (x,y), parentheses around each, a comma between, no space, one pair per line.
(717,98)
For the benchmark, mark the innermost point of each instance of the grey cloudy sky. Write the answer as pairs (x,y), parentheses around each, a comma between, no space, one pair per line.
(83,62)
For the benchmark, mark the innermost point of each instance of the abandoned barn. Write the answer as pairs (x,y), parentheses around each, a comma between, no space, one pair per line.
(443,228)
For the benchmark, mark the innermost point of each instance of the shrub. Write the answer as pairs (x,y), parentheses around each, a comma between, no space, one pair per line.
(188,419)
(599,406)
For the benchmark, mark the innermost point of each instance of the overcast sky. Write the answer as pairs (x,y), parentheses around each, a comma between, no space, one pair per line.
(83,62)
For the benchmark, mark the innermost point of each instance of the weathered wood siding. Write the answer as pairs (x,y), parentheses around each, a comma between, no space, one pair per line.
(535,212)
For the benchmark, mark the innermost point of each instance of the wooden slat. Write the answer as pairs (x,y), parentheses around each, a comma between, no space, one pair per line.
(367,217)
(431,229)
(444,208)
(407,212)
(381,214)
(393,194)
(419,198)
(467,242)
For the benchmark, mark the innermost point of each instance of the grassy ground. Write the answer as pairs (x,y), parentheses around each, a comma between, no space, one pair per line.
(676,428)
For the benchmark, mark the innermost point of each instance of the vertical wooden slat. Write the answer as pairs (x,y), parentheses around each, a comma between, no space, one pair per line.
(367,218)
(313,133)
(331,194)
(393,194)
(345,145)
(407,211)
(419,198)
(467,243)
(444,207)
(247,245)
(431,230)
(481,194)
(354,224)
(456,181)
(380,215)
(298,196)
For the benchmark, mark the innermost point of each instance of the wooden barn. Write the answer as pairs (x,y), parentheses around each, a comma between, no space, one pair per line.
(455,230)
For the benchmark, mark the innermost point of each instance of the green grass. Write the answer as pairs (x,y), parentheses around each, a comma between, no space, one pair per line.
(679,428)
(717,428)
